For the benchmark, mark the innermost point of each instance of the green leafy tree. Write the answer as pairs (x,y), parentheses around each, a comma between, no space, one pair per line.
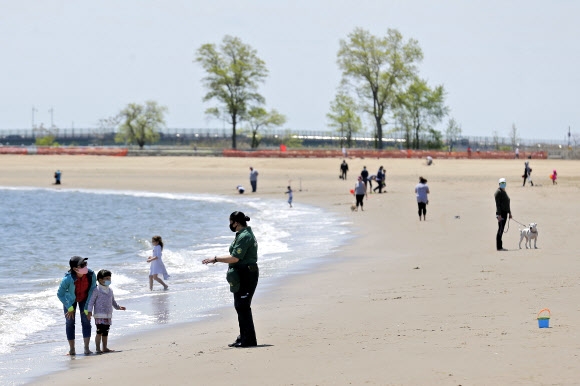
(452,131)
(378,68)
(343,117)
(258,118)
(421,107)
(434,139)
(140,124)
(233,73)
(47,140)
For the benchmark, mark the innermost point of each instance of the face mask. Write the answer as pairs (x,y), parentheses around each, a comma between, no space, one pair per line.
(502,185)
(82,271)
(232,227)
(107,283)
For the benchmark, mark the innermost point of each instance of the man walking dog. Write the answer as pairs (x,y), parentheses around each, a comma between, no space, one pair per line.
(502,211)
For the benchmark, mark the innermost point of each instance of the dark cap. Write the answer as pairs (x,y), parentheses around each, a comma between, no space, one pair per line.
(78,262)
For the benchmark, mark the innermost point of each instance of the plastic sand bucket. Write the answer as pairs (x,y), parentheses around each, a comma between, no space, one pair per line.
(544,320)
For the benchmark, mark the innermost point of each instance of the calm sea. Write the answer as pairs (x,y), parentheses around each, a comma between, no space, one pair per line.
(42,228)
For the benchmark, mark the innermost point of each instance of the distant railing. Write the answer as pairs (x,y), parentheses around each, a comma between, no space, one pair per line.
(189,136)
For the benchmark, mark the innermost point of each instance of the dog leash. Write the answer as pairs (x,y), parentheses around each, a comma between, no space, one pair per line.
(524,225)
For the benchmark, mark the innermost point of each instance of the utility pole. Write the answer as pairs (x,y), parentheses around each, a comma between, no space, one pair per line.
(51,111)
(33,111)
(568,137)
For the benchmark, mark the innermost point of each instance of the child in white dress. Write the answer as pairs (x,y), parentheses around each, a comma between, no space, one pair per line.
(157,266)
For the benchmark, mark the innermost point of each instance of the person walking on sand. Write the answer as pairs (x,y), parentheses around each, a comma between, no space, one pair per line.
(102,303)
(243,274)
(554,177)
(502,211)
(289,193)
(343,170)
(75,289)
(157,267)
(365,176)
(527,173)
(253,179)
(360,191)
(422,190)
(379,180)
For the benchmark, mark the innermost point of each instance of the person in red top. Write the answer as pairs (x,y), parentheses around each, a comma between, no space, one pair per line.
(75,289)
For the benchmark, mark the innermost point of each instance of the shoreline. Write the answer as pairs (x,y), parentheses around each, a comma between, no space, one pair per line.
(177,298)
(405,302)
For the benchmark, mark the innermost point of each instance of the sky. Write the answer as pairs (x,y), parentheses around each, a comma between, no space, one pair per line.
(501,62)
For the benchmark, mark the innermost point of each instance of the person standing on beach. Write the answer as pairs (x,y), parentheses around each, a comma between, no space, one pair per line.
(422,190)
(243,274)
(157,267)
(360,191)
(517,152)
(253,179)
(365,176)
(527,174)
(102,302)
(290,196)
(502,211)
(75,289)
(343,169)
(57,176)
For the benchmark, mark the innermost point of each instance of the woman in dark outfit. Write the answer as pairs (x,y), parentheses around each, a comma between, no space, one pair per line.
(242,275)
(502,211)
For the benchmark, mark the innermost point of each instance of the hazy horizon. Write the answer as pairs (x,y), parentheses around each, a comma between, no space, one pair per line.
(501,63)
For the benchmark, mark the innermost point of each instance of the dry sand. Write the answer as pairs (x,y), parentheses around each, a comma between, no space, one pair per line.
(406,303)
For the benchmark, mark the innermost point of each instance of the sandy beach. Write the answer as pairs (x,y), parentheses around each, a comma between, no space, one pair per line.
(405,303)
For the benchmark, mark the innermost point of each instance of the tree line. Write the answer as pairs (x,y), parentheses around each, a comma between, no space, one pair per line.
(380,85)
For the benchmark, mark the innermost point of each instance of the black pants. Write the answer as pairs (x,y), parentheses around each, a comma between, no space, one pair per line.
(359,200)
(500,228)
(254,185)
(379,187)
(422,208)
(243,302)
(343,174)
(103,329)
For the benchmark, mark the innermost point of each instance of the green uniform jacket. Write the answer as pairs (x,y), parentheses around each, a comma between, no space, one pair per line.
(244,247)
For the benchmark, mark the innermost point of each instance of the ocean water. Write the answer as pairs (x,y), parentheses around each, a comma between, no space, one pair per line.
(42,228)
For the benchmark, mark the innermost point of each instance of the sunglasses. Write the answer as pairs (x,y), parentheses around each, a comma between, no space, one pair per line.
(82,265)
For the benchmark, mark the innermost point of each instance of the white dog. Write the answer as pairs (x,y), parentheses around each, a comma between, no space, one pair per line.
(530,233)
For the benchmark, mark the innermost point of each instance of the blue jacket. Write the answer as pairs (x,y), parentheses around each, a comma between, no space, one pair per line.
(66,290)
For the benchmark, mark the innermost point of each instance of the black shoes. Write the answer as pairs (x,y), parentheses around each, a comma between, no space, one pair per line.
(238,343)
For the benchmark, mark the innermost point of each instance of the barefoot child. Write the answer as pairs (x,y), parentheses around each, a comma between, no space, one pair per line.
(157,266)
(289,193)
(102,302)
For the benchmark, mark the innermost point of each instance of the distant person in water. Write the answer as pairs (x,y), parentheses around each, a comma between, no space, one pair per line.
(289,193)
(157,266)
